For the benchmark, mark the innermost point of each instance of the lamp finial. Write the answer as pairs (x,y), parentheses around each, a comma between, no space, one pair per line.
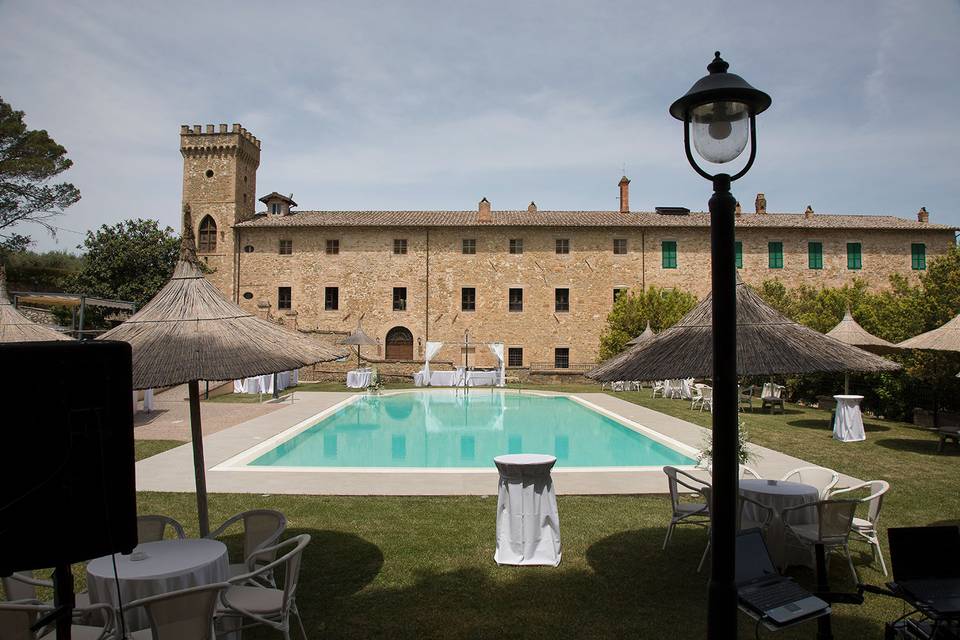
(719,65)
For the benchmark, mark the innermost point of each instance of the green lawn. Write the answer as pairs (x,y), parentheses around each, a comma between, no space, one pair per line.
(423,567)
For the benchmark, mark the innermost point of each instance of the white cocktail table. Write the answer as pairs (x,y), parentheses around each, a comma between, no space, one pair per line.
(848,423)
(528,525)
(778,495)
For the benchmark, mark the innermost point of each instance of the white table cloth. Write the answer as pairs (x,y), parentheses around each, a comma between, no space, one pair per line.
(264,383)
(778,495)
(148,400)
(420,379)
(848,423)
(359,379)
(528,524)
(170,565)
(482,378)
(445,378)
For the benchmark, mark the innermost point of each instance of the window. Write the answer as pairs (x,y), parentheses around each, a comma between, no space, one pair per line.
(918,256)
(515,357)
(516,245)
(399,246)
(399,298)
(286,247)
(469,246)
(668,254)
(561,358)
(562,297)
(619,246)
(468,299)
(275,208)
(208,235)
(775,255)
(284,300)
(738,252)
(516,299)
(333,247)
(617,292)
(248,248)
(247,295)
(331,298)
(563,246)
(815,255)
(854,257)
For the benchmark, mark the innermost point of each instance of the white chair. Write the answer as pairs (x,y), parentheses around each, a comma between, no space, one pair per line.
(685,512)
(154,528)
(658,387)
(17,617)
(252,597)
(22,586)
(832,528)
(178,615)
(636,385)
(759,517)
(820,477)
(867,528)
(707,400)
(746,473)
(696,395)
(261,528)
(618,385)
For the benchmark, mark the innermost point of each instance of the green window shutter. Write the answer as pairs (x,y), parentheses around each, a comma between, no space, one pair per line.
(775,252)
(669,254)
(918,256)
(739,250)
(854,257)
(815,255)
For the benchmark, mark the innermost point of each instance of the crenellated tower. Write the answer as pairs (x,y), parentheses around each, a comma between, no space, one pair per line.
(219,182)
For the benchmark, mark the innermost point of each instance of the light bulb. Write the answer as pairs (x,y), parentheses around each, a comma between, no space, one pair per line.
(719,130)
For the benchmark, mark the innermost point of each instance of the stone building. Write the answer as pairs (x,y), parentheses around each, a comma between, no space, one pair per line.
(542,282)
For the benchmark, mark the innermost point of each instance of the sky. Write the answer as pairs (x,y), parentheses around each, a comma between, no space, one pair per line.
(434,105)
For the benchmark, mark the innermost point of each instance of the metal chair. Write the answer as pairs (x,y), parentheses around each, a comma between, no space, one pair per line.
(759,518)
(178,615)
(832,528)
(696,395)
(22,586)
(746,473)
(707,400)
(695,513)
(745,398)
(154,528)
(867,528)
(820,477)
(261,528)
(18,616)
(657,387)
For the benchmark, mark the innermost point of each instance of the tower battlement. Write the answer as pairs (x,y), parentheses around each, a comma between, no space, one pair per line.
(218,130)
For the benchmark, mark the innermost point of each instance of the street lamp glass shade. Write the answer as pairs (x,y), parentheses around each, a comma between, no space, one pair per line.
(720,130)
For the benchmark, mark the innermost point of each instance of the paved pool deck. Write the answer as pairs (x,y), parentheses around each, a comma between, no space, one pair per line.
(172,470)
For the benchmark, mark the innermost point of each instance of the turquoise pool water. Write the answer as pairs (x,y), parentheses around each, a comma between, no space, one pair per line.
(448,429)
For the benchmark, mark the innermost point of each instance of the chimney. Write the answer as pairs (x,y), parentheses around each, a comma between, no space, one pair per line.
(484,214)
(923,215)
(738,210)
(808,213)
(624,194)
(532,207)
(761,203)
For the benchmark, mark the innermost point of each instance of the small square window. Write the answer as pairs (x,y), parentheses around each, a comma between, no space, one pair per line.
(619,246)
(468,299)
(918,256)
(275,208)
(563,246)
(286,247)
(333,247)
(399,246)
(469,246)
(516,299)
(399,298)
(618,292)
(331,298)
(668,254)
(514,356)
(562,300)
(561,358)
(284,299)
(516,245)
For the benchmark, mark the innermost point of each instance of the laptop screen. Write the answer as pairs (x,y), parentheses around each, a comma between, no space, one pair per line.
(752,559)
(924,552)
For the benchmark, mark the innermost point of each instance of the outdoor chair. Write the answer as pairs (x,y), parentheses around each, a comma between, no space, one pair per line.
(685,512)
(759,518)
(178,615)
(154,528)
(706,402)
(696,395)
(261,528)
(947,433)
(17,617)
(618,385)
(251,596)
(867,528)
(832,528)
(745,398)
(657,387)
(23,586)
(774,399)
(820,477)
(746,473)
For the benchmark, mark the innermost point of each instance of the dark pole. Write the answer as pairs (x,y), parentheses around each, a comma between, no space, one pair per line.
(722,595)
(196,434)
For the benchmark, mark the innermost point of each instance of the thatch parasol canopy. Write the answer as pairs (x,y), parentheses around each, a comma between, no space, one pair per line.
(358,338)
(849,331)
(945,338)
(15,327)
(768,343)
(643,337)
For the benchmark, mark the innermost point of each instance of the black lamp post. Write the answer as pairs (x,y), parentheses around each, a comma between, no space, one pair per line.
(721,108)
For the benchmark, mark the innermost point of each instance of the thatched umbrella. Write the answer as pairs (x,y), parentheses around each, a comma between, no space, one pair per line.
(945,338)
(848,331)
(358,338)
(768,343)
(189,332)
(15,327)
(643,337)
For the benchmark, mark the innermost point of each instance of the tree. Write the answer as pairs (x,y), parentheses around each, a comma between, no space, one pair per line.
(941,289)
(631,312)
(29,159)
(130,260)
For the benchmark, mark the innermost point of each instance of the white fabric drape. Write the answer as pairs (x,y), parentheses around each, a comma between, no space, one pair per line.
(528,524)
(496,348)
(432,349)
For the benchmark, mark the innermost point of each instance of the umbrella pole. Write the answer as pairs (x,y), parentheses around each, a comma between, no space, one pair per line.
(196,434)
(846,383)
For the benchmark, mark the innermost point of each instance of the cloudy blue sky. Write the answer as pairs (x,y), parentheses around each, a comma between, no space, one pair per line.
(433,105)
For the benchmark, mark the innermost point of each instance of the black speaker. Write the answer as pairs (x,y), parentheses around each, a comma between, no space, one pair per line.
(67,490)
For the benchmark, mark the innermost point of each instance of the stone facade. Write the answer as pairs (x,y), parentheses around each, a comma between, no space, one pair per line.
(258,255)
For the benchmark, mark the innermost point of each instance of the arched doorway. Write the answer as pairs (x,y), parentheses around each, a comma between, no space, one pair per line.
(399,344)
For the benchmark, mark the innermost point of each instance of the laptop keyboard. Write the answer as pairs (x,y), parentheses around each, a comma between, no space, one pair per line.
(764,597)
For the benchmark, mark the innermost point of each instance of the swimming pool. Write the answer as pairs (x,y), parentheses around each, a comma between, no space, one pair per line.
(447,429)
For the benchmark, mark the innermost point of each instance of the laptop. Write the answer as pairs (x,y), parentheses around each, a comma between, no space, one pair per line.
(926,566)
(763,590)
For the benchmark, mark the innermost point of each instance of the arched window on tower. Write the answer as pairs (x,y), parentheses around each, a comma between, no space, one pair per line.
(207,242)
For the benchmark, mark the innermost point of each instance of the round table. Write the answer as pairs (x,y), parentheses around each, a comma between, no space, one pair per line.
(359,379)
(778,495)
(169,565)
(528,524)
(848,424)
